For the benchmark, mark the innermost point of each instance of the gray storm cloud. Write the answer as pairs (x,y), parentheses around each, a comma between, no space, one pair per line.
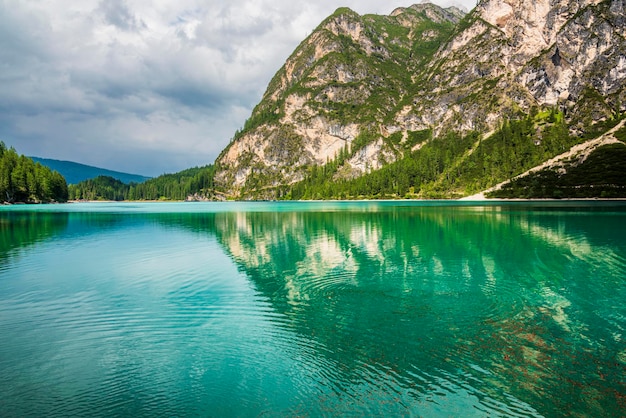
(144,86)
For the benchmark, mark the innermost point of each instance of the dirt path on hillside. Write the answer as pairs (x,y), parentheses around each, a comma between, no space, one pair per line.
(580,152)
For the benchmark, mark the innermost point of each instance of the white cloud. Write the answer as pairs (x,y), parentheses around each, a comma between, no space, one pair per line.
(117,13)
(143,86)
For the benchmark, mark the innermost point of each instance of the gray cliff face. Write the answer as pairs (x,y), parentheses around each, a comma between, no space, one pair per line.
(517,54)
(585,68)
(432,13)
(358,81)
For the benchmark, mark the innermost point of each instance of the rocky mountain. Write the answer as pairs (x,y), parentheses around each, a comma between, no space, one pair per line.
(520,54)
(431,101)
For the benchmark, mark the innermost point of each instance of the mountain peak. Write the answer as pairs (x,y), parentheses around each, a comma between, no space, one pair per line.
(364,91)
(433,12)
(345,21)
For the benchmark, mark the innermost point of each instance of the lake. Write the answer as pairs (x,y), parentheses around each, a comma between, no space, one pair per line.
(430,309)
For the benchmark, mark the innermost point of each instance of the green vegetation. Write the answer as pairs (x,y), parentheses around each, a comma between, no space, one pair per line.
(602,174)
(24,181)
(446,167)
(412,176)
(516,147)
(99,188)
(178,186)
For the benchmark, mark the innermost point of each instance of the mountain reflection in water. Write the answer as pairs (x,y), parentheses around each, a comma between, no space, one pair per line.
(313,309)
(493,300)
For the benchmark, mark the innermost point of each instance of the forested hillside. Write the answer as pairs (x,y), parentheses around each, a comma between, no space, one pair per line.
(458,165)
(194,183)
(24,181)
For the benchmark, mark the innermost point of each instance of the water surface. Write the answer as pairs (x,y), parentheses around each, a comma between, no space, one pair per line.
(313,309)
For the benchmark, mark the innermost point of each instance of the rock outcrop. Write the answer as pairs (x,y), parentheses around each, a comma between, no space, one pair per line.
(515,54)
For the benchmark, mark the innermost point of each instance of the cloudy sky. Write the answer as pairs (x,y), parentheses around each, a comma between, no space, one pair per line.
(145,86)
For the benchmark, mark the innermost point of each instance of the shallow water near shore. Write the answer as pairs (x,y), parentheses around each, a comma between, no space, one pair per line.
(313,309)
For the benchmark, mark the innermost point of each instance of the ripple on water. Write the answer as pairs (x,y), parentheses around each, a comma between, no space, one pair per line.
(178,327)
(328,283)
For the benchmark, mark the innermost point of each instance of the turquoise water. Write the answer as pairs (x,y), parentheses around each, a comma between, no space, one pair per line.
(313,309)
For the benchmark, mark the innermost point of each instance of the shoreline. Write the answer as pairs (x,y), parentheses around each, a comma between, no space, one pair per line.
(468,199)
(478,199)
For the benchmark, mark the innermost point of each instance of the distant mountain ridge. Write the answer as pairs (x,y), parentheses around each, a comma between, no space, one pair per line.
(74,172)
